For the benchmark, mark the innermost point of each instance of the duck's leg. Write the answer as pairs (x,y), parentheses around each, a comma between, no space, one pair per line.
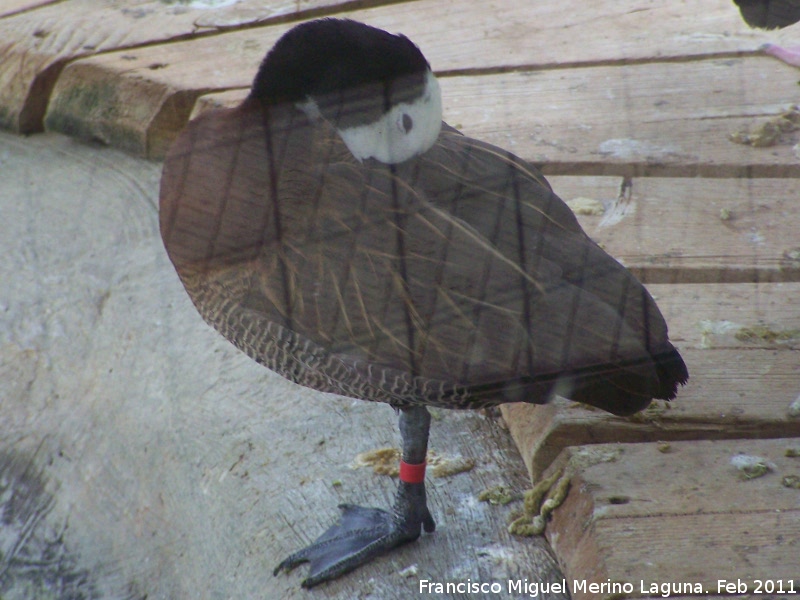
(365,533)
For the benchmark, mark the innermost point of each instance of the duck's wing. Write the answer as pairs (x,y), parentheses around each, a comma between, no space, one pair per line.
(595,323)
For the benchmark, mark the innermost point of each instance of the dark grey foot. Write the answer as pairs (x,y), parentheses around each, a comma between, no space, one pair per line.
(360,535)
(366,533)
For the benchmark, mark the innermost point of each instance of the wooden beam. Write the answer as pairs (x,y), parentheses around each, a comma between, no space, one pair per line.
(741,344)
(12,7)
(528,37)
(639,516)
(693,230)
(36,45)
(657,119)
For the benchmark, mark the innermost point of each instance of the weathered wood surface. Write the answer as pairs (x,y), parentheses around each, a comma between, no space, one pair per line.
(694,230)
(571,122)
(11,7)
(740,343)
(637,99)
(698,521)
(36,44)
(634,120)
(453,45)
(150,457)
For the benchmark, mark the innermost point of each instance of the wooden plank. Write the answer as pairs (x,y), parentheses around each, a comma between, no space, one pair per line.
(35,45)
(667,128)
(543,34)
(641,516)
(11,7)
(740,343)
(730,395)
(690,230)
(93,97)
(656,119)
(730,316)
(214,100)
(453,45)
(137,115)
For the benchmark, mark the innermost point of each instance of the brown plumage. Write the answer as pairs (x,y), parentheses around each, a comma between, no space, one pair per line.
(457,279)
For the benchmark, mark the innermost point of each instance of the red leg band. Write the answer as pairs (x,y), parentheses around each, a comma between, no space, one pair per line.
(412,473)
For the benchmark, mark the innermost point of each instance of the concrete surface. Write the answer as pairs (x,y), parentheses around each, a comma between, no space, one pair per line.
(141,455)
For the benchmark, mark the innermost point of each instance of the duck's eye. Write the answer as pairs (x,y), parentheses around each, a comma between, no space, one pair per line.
(406,123)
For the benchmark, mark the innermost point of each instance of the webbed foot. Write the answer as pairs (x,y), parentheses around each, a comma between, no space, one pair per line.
(366,533)
(360,535)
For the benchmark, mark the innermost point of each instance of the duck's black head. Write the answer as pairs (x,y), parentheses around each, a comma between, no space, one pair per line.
(376,88)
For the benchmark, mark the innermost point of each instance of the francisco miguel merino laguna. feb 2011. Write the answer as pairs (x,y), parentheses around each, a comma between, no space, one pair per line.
(533,589)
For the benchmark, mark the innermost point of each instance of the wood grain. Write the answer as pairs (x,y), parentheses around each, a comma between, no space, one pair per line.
(702,521)
(655,119)
(11,7)
(523,37)
(694,230)
(35,45)
(630,104)
(740,386)
(178,467)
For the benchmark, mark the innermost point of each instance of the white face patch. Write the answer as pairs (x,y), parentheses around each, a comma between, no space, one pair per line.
(407,130)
